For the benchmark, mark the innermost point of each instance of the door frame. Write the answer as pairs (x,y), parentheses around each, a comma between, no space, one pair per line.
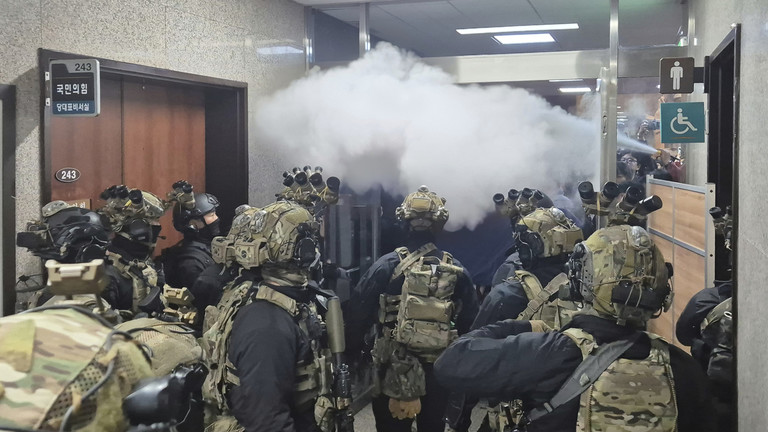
(8,215)
(732,41)
(228,181)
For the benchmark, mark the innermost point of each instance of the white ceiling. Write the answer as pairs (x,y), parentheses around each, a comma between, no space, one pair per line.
(429,27)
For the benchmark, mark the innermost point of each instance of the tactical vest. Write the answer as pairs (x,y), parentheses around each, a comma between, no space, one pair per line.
(142,274)
(556,313)
(631,395)
(50,359)
(717,332)
(173,256)
(313,378)
(425,311)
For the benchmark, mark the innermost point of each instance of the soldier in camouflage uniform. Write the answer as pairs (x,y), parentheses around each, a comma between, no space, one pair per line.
(134,217)
(409,338)
(628,380)
(266,343)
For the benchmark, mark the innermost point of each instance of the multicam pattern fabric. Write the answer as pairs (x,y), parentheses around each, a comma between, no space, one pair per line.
(616,253)
(169,344)
(43,362)
(423,205)
(142,274)
(264,236)
(426,309)
(557,313)
(558,233)
(631,395)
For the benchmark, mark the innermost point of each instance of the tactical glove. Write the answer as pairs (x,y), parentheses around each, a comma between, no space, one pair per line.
(539,326)
(402,410)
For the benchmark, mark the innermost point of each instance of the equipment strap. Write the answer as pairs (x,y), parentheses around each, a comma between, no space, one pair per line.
(584,376)
(412,258)
(543,294)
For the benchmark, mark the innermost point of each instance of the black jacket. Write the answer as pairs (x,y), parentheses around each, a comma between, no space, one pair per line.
(266,343)
(506,361)
(361,311)
(688,328)
(184,262)
(507,299)
(507,268)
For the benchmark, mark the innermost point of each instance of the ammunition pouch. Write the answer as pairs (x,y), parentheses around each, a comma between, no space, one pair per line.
(400,374)
(325,413)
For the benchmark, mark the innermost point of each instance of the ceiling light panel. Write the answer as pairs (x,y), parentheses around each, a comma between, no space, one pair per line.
(524,38)
(517,29)
(575,89)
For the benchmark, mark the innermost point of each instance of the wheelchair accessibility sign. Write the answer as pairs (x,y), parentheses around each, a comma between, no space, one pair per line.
(682,122)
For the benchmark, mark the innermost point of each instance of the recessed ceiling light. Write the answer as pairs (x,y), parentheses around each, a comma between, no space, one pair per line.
(575,89)
(524,38)
(517,29)
(566,80)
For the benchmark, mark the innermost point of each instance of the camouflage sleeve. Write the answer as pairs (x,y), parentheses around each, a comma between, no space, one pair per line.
(504,360)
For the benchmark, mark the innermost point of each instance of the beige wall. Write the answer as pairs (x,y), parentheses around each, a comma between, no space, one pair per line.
(713,20)
(217,38)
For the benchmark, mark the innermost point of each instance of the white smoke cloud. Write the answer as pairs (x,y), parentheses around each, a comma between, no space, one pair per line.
(389,119)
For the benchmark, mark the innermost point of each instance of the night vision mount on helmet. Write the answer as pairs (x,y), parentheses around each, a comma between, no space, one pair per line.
(308,188)
(65,233)
(520,203)
(628,208)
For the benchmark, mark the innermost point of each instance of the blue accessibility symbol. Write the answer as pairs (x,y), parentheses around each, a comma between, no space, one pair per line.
(682,122)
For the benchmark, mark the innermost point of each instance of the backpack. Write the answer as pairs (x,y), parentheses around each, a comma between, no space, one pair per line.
(426,311)
(60,361)
(618,401)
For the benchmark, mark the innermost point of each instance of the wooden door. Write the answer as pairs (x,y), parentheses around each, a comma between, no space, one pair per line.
(163,141)
(148,136)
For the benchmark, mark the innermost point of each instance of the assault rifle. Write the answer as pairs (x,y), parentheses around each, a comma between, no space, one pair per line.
(342,379)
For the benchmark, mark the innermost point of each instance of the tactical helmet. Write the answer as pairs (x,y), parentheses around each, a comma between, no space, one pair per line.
(545,232)
(182,217)
(133,213)
(282,233)
(65,233)
(423,210)
(622,273)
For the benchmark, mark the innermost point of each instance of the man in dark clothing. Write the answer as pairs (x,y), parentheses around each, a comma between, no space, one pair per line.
(395,408)
(186,260)
(543,231)
(623,280)
(266,343)
(134,217)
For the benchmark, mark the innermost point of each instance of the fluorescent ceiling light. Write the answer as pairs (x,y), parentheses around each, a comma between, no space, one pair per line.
(566,80)
(517,29)
(575,89)
(524,38)
(282,49)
